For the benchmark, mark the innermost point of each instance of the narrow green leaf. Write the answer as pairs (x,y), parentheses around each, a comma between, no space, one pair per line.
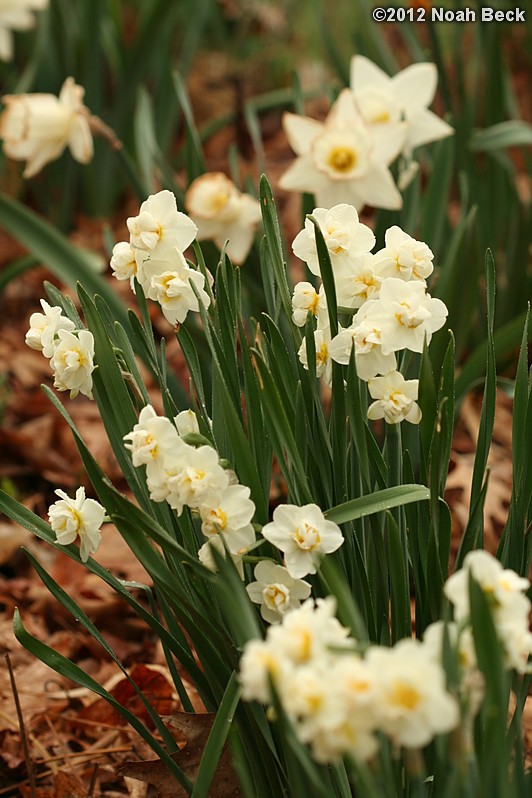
(377,502)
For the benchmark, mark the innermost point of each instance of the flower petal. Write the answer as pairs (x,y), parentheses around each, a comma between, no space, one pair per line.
(415,86)
(302,175)
(300,131)
(378,189)
(426,126)
(365,73)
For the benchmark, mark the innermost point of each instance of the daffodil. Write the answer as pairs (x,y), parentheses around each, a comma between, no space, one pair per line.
(223,214)
(36,128)
(343,160)
(77,518)
(383,101)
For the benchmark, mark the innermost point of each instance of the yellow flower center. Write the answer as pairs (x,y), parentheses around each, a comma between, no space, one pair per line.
(322,355)
(380,117)
(342,159)
(405,696)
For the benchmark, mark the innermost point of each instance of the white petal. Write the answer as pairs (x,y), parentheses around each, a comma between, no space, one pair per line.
(415,86)
(365,73)
(239,244)
(80,141)
(426,126)
(344,111)
(302,175)
(43,155)
(341,191)
(389,140)
(300,131)
(378,189)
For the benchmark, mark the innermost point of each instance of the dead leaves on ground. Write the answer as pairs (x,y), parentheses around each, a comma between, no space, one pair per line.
(191,731)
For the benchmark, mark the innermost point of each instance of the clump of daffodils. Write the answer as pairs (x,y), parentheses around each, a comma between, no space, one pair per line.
(341,698)
(223,214)
(16,15)
(338,699)
(387,293)
(36,128)
(70,351)
(159,235)
(346,158)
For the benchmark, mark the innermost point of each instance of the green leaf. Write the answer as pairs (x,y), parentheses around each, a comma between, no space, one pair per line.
(377,502)
(51,248)
(514,133)
(274,243)
(217,738)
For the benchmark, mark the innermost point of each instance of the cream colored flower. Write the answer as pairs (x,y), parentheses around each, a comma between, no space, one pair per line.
(36,128)
(303,534)
(223,213)
(346,238)
(411,704)
(384,100)
(365,336)
(230,516)
(408,315)
(73,362)
(276,591)
(206,557)
(160,229)
(44,328)
(395,399)
(123,262)
(404,257)
(79,517)
(343,160)
(16,15)
(322,339)
(152,438)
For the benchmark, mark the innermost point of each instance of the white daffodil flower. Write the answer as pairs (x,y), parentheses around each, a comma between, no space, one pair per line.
(73,362)
(395,399)
(364,334)
(79,517)
(409,315)
(347,239)
(206,557)
(152,438)
(44,328)
(123,261)
(159,228)
(173,290)
(383,100)
(343,160)
(16,15)
(322,339)
(36,128)
(231,517)
(411,704)
(223,214)
(404,257)
(276,591)
(303,534)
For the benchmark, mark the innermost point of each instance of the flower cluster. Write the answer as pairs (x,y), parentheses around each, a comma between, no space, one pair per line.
(346,158)
(336,698)
(504,590)
(71,351)
(36,128)
(188,476)
(159,235)
(223,213)
(16,15)
(387,289)
(77,518)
